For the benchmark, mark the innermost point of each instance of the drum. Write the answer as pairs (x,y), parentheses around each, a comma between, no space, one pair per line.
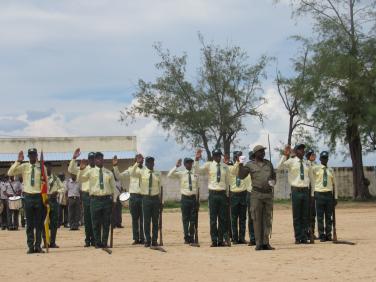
(123,198)
(62,199)
(15,203)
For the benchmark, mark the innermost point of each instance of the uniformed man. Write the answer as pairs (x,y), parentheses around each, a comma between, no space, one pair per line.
(73,188)
(238,190)
(188,181)
(135,200)
(150,185)
(102,189)
(85,194)
(262,179)
(251,231)
(55,186)
(323,182)
(14,188)
(63,207)
(311,157)
(31,174)
(299,180)
(219,179)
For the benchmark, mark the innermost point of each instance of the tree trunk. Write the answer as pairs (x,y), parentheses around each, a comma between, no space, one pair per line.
(289,136)
(360,190)
(226,145)
(206,146)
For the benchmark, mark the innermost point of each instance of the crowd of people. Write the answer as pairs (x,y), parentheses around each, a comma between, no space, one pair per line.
(238,189)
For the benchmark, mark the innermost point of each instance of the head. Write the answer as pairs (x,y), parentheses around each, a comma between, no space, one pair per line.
(217,155)
(299,150)
(259,152)
(99,159)
(91,159)
(141,162)
(324,158)
(188,163)
(149,162)
(309,154)
(73,177)
(61,176)
(32,155)
(235,155)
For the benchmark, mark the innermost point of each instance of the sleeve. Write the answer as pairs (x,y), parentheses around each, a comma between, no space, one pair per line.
(83,175)
(173,173)
(234,169)
(283,163)
(119,175)
(201,169)
(73,167)
(134,170)
(16,169)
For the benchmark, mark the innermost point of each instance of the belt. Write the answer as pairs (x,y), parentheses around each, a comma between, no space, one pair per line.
(261,190)
(151,196)
(299,189)
(217,191)
(324,193)
(239,193)
(188,197)
(32,195)
(104,197)
(136,195)
(74,197)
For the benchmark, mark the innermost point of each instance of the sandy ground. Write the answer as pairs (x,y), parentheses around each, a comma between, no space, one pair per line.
(289,262)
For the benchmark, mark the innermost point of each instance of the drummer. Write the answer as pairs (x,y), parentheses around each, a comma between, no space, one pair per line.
(13,188)
(4,202)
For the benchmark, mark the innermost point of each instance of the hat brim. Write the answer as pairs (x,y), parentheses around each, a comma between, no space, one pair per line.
(259,149)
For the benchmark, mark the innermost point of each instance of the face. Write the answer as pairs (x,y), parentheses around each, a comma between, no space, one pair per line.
(141,162)
(217,158)
(99,161)
(188,165)
(150,164)
(324,160)
(260,155)
(91,162)
(74,177)
(300,152)
(33,157)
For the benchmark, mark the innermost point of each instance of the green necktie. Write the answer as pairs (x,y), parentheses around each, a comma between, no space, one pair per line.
(32,180)
(101,184)
(150,181)
(301,170)
(190,180)
(237,181)
(218,173)
(325,178)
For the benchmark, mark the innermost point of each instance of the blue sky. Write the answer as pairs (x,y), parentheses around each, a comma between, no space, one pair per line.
(67,68)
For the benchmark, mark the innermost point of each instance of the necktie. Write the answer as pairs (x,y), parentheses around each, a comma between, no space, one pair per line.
(150,181)
(32,179)
(101,184)
(301,170)
(237,181)
(325,178)
(190,180)
(218,173)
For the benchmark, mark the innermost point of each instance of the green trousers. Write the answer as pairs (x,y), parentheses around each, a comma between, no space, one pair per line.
(238,215)
(135,206)
(251,231)
(218,213)
(188,212)
(261,210)
(101,209)
(324,208)
(150,209)
(89,236)
(300,202)
(34,215)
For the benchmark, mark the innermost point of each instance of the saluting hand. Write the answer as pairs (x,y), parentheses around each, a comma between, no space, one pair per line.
(76,153)
(226,158)
(83,164)
(115,161)
(21,156)
(139,159)
(178,163)
(287,151)
(198,155)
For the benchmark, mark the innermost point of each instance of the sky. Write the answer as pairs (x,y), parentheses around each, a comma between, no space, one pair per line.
(67,68)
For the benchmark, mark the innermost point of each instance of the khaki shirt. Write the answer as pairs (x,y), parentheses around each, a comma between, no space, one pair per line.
(25,170)
(134,182)
(55,185)
(144,174)
(317,175)
(73,168)
(183,176)
(293,167)
(260,173)
(211,169)
(92,175)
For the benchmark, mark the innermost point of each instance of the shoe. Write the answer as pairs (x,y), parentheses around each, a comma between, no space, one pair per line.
(119,226)
(226,244)
(154,244)
(3,228)
(329,238)
(214,244)
(322,239)
(135,242)
(315,237)
(221,244)
(187,242)
(30,251)
(304,241)
(267,247)
(297,242)
(54,246)
(259,248)
(38,250)
(87,245)
(252,243)
(242,242)
(235,242)
(147,245)
(141,242)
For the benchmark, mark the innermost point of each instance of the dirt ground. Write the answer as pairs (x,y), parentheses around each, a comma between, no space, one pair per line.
(289,262)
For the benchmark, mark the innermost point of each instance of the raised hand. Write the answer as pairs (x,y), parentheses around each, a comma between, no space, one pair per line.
(178,163)
(21,156)
(83,164)
(115,161)
(76,153)
(226,158)
(198,155)
(139,159)
(287,151)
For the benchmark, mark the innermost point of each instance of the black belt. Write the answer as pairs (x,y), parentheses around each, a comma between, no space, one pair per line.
(74,197)
(262,190)
(299,189)
(32,195)
(239,193)
(137,195)
(101,197)
(217,192)
(150,196)
(188,197)
(325,193)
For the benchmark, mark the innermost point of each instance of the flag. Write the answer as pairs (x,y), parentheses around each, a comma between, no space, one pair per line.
(44,192)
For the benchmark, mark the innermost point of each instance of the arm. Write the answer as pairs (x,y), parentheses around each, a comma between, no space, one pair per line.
(16,169)
(134,171)
(73,167)
(173,173)
(283,163)
(202,169)
(83,175)
(234,169)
